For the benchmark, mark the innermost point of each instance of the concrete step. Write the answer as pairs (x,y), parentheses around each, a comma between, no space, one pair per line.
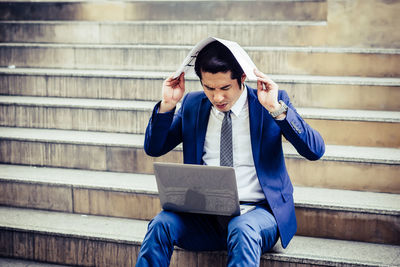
(101,241)
(286,33)
(344,26)
(305,91)
(340,127)
(342,167)
(349,127)
(327,213)
(273,60)
(8,262)
(164,10)
(126,116)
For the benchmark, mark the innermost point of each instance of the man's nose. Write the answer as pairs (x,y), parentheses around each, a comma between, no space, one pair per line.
(218,97)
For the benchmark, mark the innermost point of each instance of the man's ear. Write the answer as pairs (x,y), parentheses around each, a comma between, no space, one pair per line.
(243,78)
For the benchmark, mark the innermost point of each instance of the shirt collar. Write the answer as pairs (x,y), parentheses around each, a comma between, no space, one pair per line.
(238,106)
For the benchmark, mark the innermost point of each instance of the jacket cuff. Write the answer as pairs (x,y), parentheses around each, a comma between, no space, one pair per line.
(162,118)
(290,122)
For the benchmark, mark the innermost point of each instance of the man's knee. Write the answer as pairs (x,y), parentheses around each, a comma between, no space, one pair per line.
(242,233)
(160,225)
(244,245)
(162,219)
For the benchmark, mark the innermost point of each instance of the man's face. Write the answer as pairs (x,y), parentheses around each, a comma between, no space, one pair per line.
(221,90)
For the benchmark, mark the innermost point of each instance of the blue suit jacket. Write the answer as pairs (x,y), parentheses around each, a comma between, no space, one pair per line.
(188,126)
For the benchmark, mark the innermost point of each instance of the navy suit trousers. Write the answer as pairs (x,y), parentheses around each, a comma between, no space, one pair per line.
(244,237)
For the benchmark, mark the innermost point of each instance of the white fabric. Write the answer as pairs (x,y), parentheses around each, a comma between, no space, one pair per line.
(238,52)
(246,177)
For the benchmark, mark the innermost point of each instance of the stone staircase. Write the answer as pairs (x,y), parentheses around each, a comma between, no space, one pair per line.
(78,80)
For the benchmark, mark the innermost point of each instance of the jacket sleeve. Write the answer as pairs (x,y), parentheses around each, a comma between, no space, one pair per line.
(307,141)
(163,132)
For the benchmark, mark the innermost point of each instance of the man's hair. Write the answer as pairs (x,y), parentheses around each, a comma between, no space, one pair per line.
(216,57)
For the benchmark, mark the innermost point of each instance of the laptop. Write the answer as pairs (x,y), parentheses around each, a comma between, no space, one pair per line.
(198,189)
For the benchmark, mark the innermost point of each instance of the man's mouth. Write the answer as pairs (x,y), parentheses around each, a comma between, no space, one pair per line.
(221,106)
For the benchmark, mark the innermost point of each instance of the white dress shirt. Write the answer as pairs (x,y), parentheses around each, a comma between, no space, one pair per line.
(246,177)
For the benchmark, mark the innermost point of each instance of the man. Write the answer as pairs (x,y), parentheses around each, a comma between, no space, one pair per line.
(257,119)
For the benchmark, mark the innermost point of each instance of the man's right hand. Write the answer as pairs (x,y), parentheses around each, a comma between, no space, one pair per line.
(172,92)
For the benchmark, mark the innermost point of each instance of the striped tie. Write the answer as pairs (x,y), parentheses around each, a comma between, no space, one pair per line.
(226,154)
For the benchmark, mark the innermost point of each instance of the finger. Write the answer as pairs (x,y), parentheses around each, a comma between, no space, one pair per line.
(168,81)
(268,83)
(171,84)
(260,85)
(265,79)
(175,82)
(170,78)
(177,78)
(182,80)
(257,72)
(263,76)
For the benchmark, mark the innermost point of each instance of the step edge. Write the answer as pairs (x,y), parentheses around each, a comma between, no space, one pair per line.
(61,233)
(275,254)
(16,262)
(161,75)
(295,49)
(147,106)
(174,22)
(349,114)
(77,103)
(152,191)
(138,139)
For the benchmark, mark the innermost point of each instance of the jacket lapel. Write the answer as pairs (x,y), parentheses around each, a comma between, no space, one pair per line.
(256,115)
(201,127)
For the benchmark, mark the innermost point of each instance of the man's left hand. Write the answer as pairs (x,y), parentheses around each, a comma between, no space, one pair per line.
(267,91)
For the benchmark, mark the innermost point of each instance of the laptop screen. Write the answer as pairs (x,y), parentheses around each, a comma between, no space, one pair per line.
(197,188)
